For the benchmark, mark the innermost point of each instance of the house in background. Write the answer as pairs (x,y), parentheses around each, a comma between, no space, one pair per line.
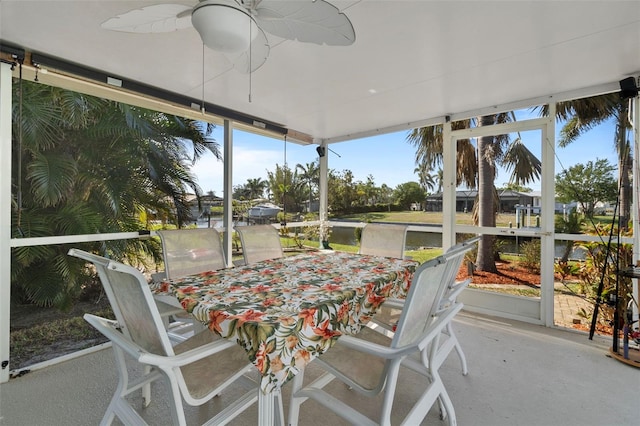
(202,211)
(509,201)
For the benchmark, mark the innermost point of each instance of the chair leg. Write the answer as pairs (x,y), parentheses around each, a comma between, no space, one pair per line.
(118,406)
(146,389)
(463,359)
(448,406)
(392,381)
(279,409)
(294,405)
(177,408)
(110,414)
(434,392)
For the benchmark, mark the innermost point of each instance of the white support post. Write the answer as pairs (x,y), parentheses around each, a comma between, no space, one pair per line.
(547,222)
(635,103)
(5,217)
(324,190)
(449,152)
(227,213)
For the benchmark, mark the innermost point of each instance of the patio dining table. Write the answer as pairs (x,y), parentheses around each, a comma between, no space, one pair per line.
(285,312)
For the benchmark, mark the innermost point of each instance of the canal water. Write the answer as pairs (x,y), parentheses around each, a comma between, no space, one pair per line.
(417,240)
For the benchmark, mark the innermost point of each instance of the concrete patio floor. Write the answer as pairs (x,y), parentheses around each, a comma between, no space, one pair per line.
(519,374)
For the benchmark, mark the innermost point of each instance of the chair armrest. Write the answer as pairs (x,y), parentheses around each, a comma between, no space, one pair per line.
(394,303)
(441,322)
(358,344)
(355,343)
(108,328)
(457,288)
(189,356)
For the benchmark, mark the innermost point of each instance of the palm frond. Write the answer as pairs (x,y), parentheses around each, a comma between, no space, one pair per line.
(525,166)
(51,175)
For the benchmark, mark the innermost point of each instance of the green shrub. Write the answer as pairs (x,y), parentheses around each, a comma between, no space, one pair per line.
(531,255)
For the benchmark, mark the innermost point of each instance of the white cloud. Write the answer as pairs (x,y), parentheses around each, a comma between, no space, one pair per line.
(248,163)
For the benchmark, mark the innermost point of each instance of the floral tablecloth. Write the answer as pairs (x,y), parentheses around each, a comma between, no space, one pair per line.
(284,312)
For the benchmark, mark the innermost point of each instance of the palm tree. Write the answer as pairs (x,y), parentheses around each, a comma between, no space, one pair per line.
(385,195)
(370,190)
(310,174)
(481,169)
(241,192)
(286,187)
(428,143)
(440,179)
(426,178)
(581,115)
(256,187)
(86,165)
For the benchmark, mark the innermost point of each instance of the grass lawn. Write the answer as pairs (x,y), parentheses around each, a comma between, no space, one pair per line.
(417,255)
(502,220)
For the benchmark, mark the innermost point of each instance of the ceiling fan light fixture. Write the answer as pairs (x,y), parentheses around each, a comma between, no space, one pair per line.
(223,25)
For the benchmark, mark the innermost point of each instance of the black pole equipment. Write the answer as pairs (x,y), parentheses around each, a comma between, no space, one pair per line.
(596,307)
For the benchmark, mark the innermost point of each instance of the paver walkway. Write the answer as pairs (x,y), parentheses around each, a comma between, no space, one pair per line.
(566,308)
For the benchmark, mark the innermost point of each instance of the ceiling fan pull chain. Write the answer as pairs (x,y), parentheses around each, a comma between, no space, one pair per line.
(202,105)
(250,56)
(284,185)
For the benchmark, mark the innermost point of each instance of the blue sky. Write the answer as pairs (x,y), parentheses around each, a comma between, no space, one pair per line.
(389,158)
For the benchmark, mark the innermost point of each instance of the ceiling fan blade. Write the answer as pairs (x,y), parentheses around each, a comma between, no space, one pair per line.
(310,21)
(159,18)
(259,52)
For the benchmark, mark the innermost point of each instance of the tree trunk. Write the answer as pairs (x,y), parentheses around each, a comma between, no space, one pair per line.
(486,207)
(624,167)
(625,194)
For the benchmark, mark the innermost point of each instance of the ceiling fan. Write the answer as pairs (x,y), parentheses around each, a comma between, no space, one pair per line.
(237,27)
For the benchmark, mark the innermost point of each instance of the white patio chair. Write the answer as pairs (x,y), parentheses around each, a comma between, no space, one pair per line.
(451,295)
(381,239)
(179,323)
(167,310)
(187,252)
(195,370)
(259,242)
(386,319)
(386,240)
(191,251)
(369,362)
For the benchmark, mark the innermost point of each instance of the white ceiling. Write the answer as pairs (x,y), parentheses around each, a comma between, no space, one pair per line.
(412,60)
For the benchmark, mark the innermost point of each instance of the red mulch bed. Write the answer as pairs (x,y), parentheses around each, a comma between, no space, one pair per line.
(508,273)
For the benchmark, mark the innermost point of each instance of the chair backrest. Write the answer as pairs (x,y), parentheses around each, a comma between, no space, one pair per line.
(259,242)
(456,256)
(132,303)
(466,245)
(427,287)
(191,251)
(381,239)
